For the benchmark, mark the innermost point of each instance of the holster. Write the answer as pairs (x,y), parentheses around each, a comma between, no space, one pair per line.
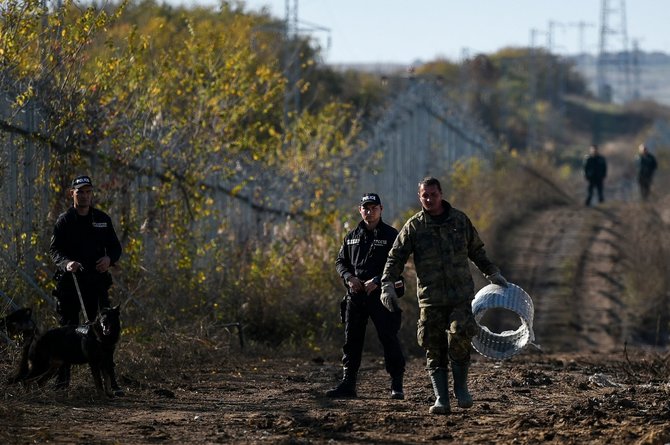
(343,309)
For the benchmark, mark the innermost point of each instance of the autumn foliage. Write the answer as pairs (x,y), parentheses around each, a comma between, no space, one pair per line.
(218,191)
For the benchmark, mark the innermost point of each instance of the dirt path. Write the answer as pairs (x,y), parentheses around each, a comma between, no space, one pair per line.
(529,399)
(573,259)
(569,261)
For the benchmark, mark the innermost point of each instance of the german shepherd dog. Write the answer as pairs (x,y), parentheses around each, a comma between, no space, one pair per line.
(75,345)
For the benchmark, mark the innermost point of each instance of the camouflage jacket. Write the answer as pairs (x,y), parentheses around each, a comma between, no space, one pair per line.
(441,247)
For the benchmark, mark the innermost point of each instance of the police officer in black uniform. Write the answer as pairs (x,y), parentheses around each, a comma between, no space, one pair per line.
(360,262)
(83,246)
(646,166)
(595,172)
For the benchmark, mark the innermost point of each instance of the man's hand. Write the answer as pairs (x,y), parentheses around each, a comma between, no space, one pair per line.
(73,266)
(355,284)
(370,286)
(389,298)
(103,264)
(498,279)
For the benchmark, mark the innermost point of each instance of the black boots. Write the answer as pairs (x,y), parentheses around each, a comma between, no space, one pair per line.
(345,389)
(396,387)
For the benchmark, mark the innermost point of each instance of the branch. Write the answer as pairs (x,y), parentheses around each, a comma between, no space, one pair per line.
(162,176)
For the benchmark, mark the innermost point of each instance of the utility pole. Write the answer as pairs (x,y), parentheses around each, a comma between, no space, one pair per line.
(636,69)
(601,78)
(291,60)
(607,55)
(624,65)
(290,30)
(581,28)
(555,84)
(532,134)
(551,26)
(581,31)
(466,83)
(555,77)
(293,29)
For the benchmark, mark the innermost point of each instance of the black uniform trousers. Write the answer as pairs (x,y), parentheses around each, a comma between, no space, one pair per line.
(645,186)
(359,308)
(596,184)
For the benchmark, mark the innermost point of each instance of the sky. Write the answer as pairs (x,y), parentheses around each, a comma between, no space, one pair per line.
(407,31)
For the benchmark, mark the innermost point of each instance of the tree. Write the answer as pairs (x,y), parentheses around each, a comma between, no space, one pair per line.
(179,116)
(505,88)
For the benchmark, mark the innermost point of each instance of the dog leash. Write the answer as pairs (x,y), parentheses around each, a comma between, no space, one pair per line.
(81,299)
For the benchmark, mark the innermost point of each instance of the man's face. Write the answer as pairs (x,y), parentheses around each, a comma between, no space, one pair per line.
(431,198)
(82,196)
(370,212)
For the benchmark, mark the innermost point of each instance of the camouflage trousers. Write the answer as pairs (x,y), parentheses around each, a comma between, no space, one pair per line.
(445,332)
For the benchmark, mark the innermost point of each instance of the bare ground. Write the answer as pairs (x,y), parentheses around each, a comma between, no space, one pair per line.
(532,398)
(584,386)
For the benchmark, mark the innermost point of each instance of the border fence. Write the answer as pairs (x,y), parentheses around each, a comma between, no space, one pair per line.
(420,133)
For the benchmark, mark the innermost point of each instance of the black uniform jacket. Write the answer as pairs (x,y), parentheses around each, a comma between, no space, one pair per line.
(363,253)
(595,167)
(84,239)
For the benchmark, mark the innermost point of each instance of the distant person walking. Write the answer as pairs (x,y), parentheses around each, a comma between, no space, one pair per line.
(646,166)
(595,171)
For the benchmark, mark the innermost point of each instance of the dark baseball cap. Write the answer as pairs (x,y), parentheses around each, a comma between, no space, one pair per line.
(370,198)
(81,181)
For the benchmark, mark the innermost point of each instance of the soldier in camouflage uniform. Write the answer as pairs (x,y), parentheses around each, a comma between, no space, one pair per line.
(442,240)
